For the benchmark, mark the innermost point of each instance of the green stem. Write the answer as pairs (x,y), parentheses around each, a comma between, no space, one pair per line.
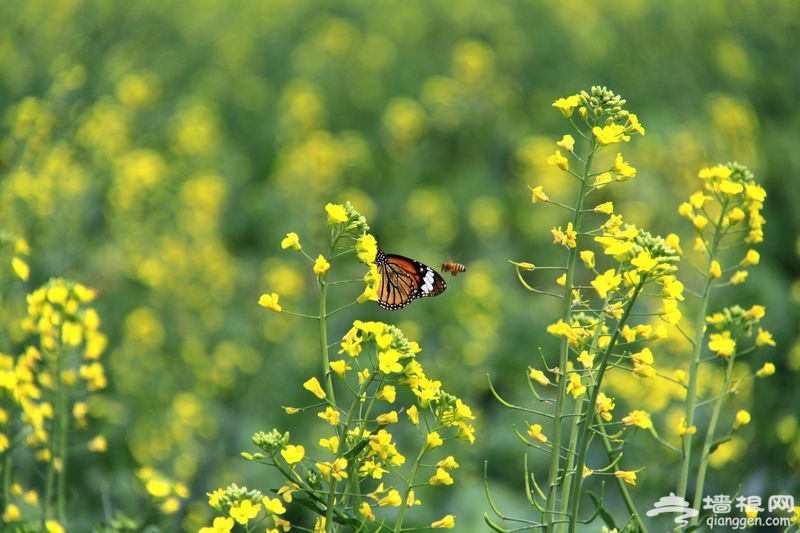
(621,485)
(323,342)
(553,482)
(402,511)
(709,438)
(691,387)
(586,428)
(694,364)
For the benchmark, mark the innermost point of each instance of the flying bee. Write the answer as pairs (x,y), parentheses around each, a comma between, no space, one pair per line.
(453,268)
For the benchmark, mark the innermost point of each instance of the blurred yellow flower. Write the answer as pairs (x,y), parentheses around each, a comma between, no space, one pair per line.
(315,388)
(270,301)
(446,522)
(626,476)
(336,213)
(293,453)
(567,105)
(292,240)
(321,265)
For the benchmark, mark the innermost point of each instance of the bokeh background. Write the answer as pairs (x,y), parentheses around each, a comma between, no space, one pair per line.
(158,151)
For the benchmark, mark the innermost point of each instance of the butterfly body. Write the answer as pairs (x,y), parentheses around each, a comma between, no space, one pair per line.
(453,268)
(404,279)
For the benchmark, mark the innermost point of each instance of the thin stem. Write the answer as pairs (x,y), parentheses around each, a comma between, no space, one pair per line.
(323,342)
(401,513)
(590,406)
(712,427)
(694,364)
(558,416)
(621,486)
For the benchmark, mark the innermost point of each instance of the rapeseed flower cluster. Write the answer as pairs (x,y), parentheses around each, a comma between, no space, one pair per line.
(46,394)
(373,390)
(611,322)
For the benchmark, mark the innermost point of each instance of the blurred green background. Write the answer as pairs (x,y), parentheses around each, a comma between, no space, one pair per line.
(158,151)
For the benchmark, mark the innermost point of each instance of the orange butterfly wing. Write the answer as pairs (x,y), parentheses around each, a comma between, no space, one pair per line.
(404,279)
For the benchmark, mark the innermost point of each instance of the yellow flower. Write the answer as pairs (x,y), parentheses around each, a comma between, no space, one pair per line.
(586,359)
(602,180)
(644,262)
(392,499)
(638,418)
(670,312)
(722,344)
(682,429)
(366,248)
(339,367)
(413,414)
(567,142)
(270,301)
(558,160)
(623,169)
(739,277)
(587,256)
(221,524)
(756,312)
(331,444)
(764,338)
(606,208)
(634,125)
(99,444)
(700,222)
(366,511)
(606,282)
(321,265)
(610,134)
(315,388)
(387,418)
(337,469)
(565,238)
(388,393)
(752,257)
(244,511)
(604,406)
(731,187)
(53,526)
(389,361)
(336,213)
(433,440)
(21,268)
(448,463)
(535,431)
(626,476)
(330,414)
(767,370)
(11,513)
(442,477)
(273,505)
(574,386)
(742,419)
(567,105)
(538,194)
(715,270)
(292,240)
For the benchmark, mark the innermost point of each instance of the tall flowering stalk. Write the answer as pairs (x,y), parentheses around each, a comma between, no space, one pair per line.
(602,328)
(372,384)
(726,218)
(44,398)
(598,329)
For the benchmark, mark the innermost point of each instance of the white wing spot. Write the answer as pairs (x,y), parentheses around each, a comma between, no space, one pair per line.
(427,282)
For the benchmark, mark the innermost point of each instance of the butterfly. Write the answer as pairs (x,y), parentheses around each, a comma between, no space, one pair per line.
(404,279)
(453,268)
